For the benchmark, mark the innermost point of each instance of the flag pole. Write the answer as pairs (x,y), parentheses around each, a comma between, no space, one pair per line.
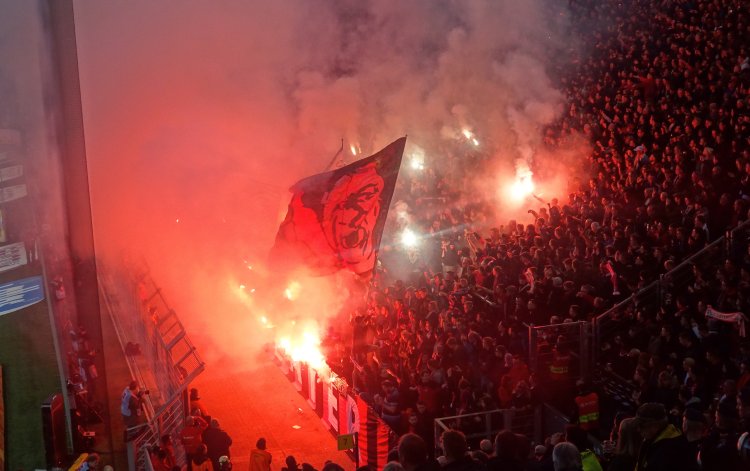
(333,160)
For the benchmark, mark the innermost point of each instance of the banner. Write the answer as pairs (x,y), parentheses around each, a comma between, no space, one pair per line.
(342,413)
(335,219)
(374,437)
(730,317)
(2,423)
(10,193)
(12,256)
(20,294)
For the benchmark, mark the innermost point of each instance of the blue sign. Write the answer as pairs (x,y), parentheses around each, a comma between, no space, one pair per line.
(20,294)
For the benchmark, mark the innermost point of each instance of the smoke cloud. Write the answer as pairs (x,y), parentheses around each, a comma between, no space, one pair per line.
(199,116)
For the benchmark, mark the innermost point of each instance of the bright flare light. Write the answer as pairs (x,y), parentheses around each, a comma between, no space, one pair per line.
(470,137)
(417,164)
(354,149)
(306,349)
(522,187)
(409,238)
(292,291)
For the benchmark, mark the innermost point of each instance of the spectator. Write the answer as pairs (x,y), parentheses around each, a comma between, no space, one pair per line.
(225,464)
(565,457)
(664,447)
(217,441)
(291,464)
(455,450)
(196,406)
(200,460)
(719,448)
(628,443)
(694,428)
(130,404)
(578,437)
(260,459)
(91,463)
(166,446)
(506,455)
(191,437)
(413,454)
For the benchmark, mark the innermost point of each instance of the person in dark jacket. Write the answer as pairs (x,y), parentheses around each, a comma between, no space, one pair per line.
(628,442)
(719,449)
(217,441)
(505,457)
(456,453)
(413,454)
(664,448)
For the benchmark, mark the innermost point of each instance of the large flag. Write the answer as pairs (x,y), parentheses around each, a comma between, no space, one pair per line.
(335,219)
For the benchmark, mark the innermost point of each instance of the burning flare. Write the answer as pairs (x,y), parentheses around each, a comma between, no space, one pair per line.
(292,291)
(470,137)
(305,348)
(522,187)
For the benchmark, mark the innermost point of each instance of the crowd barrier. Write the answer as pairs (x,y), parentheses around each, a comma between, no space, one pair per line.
(477,426)
(342,411)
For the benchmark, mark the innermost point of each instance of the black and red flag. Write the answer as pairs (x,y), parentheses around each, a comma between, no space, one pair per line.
(335,219)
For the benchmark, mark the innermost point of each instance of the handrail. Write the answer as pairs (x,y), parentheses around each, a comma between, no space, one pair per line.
(629,299)
(596,321)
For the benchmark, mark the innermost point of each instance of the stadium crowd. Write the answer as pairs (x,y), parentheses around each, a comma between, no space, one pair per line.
(662,96)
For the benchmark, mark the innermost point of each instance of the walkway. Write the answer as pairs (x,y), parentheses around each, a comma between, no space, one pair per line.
(261,402)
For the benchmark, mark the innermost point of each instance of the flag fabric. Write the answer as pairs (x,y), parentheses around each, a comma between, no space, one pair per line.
(335,219)
(374,437)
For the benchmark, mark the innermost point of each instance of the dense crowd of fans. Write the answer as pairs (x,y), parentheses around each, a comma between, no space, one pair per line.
(663,98)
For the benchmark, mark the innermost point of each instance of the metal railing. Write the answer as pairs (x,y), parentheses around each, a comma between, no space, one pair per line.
(485,425)
(158,352)
(658,293)
(167,421)
(537,424)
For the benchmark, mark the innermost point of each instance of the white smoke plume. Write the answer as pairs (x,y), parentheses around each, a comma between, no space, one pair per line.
(198,116)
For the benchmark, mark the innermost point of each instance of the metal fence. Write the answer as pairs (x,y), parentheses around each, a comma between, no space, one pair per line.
(537,424)
(158,351)
(575,336)
(485,425)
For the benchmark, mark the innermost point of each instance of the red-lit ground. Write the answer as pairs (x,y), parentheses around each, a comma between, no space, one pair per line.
(262,403)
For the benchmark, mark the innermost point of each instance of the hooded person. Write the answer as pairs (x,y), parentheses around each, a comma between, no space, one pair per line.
(664,447)
(217,441)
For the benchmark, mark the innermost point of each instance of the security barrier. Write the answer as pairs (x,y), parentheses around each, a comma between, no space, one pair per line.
(342,411)
(485,425)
